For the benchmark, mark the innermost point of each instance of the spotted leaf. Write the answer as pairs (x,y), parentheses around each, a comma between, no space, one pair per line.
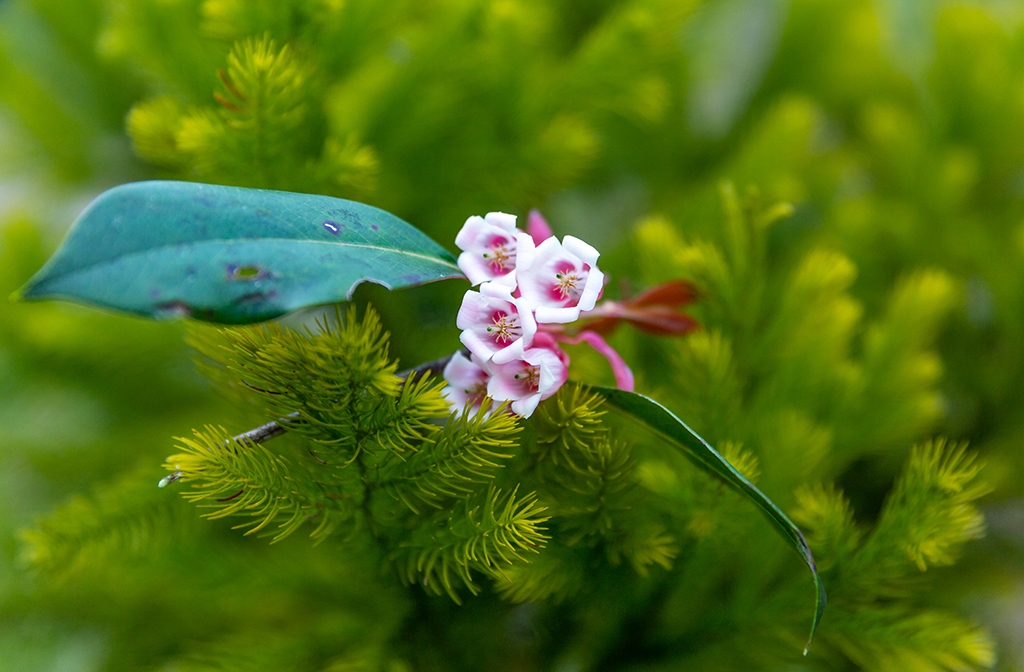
(231,255)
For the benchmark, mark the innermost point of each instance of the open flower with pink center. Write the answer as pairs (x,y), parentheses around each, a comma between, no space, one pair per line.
(467,379)
(493,248)
(495,325)
(530,379)
(562,280)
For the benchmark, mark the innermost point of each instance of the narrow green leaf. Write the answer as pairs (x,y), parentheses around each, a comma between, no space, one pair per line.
(225,254)
(665,423)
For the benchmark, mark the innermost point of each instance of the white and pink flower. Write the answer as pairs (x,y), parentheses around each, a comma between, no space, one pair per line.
(496,326)
(467,379)
(531,285)
(493,248)
(562,280)
(528,380)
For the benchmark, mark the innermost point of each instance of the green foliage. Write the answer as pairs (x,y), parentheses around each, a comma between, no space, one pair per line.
(802,341)
(379,463)
(878,573)
(886,310)
(239,477)
(591,477)
(262,125)
(488,534)
(453,461)
(231,255)
(339,380)
(931,511)
(369,434)
(126,519)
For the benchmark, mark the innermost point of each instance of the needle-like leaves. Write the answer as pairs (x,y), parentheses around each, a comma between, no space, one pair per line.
(665,423)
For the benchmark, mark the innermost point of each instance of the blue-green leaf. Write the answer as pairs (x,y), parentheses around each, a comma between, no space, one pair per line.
(666,424)
(225,254)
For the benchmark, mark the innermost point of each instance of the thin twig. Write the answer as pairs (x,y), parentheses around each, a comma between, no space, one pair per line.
(265,432)
(276,428)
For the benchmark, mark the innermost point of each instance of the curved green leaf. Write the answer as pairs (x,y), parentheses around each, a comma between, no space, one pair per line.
(232,255)
(665,423)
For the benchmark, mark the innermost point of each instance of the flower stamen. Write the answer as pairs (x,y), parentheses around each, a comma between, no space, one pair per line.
(503,326)
(566,283)
(477,392)
(530,377)
(499,257)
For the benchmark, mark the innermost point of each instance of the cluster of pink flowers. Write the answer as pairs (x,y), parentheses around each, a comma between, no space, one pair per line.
(530,286)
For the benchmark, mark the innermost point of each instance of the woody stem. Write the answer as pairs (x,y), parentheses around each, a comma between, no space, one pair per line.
(278,427)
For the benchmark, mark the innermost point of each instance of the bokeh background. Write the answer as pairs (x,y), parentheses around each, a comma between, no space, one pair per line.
(895,128)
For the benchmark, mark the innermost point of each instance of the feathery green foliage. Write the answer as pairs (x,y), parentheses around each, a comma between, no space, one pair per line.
(340,382)
(126,519)
(380,463)
(262,123)
(374,434)
(243,478)
(487,534)
(452,462)
(884,310)
(930,514)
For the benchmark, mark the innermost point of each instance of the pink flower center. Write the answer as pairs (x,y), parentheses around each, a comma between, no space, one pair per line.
(569,283)
(501,254)
(529,378)
(503,328)
(477,392)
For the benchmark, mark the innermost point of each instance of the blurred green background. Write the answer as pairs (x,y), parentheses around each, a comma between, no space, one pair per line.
(895,128)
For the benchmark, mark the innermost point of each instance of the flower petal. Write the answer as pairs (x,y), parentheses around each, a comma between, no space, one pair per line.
(467,382)
(507,354)
(502,220)
(623,374)
(538,227)
(474,310)
(476,268)
(494,324)
(584,251)
(461,371)
(591,290)
(524,408)
(526,250)
(489,248)
(476,345)
(470,232)
(548,315)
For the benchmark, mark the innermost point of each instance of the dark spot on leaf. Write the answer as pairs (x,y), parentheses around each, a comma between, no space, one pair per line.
(246,273)
(374,227)
(412,278)
(263,213)
(333,227)
(255,297)
(154,293)
(351,217)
